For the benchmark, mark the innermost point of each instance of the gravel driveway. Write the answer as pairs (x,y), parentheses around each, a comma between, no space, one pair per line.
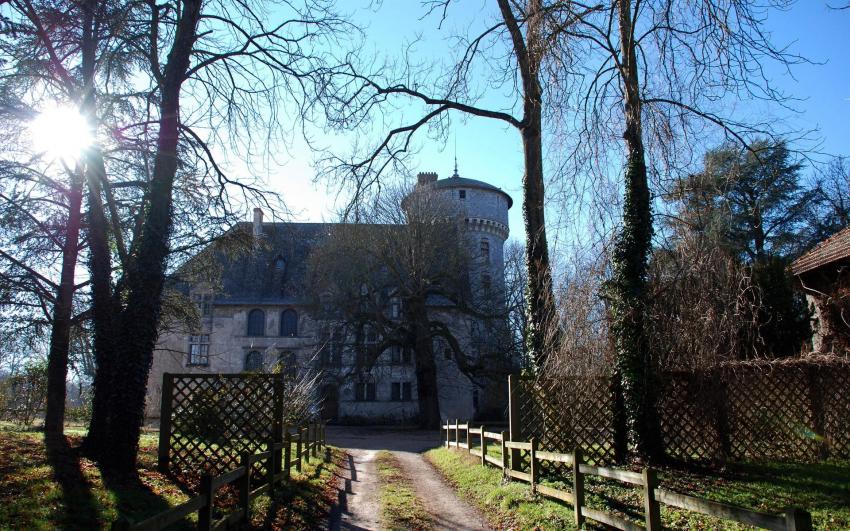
(358,506)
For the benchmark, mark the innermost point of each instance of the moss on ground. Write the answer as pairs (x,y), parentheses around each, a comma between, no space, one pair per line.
(400,508)
(822,488)
(51,486)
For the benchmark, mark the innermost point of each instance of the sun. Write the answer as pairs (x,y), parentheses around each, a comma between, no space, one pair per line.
(61,132)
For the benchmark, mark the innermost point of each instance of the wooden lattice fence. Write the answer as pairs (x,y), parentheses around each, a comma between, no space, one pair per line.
(209,420)
(797,410)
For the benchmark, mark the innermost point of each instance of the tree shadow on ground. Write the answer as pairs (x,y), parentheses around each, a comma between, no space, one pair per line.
(135,499)
(80,508)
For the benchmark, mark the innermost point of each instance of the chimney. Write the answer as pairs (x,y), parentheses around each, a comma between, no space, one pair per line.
(258,222)
(426,177)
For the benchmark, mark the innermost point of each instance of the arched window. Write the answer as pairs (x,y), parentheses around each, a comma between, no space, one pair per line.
(256,323)
(280,263)
(289,323)
(253,361)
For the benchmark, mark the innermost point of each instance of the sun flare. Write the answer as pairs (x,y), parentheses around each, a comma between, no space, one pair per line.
(61,132)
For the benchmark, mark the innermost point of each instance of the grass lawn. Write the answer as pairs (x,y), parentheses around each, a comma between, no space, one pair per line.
(52,487)
(823,489)
(400,508)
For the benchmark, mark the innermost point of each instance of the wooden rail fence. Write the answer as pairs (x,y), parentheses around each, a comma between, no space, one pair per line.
(309,441)
(653,496)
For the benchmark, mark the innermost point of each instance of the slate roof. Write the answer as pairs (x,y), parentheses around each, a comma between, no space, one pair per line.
(463,182)
(832,249)
(256,278)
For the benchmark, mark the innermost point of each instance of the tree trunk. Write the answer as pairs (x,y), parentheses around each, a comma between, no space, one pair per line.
(145,275)
(100,260)
(539,290)
(427,390)
(60,333)
(634,363)
(104,311)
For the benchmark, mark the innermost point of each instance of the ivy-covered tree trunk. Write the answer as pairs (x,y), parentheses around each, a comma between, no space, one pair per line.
(634,361)
(427,391)
(60,333)
(144,277)
(100,261)
(539,291)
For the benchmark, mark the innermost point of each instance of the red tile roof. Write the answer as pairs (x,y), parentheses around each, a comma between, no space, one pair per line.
(834,248)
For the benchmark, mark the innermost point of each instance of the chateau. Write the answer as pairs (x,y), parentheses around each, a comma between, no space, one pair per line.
(258,313)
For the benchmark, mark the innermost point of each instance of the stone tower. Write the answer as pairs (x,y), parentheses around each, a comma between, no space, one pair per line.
(485,210)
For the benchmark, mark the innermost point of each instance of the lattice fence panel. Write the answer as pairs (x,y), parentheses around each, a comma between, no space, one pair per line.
(689,417)
(215,418)
(796,410)
(565,415)
(836,410)
(770,414)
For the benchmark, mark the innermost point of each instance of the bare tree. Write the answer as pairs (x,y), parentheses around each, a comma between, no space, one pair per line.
(401,277)
(513,51)
(657,74)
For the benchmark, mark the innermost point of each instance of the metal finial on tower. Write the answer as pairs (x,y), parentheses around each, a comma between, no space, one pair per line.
(455,173)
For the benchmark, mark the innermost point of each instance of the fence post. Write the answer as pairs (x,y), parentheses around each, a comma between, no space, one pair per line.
(244,486)
(205,513)
(298,445)
(447,433)
(504,452)
(578,488)
(483,448)
(468,439)
(513,417)
(533,467)
(273,466)
(165,422)
(797,520)
(457,433)
(287,453)
(651,506)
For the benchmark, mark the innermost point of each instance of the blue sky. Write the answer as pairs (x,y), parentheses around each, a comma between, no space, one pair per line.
(491,151)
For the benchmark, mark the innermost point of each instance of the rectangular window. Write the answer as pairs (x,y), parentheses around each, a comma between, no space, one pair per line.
(395,354)
(402,392)
(395,308)
(199,350)
(461,194)
(486,283)
(485,249)
(204,303)
(364,392)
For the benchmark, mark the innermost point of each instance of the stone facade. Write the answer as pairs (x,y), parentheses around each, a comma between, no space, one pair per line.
(260,315)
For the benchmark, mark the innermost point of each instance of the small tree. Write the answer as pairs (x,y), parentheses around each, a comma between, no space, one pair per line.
(26,393)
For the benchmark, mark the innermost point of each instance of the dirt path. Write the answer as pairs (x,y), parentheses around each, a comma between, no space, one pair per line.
(359,508)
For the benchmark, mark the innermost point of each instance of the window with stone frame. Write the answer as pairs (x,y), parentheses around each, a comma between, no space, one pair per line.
(364,391)
(256,323)
(402,392)
(395,308)
(330,354)
(204,302)
(199,350)
(367,347)
(485,249)
(253,361)
(400,355)
(289,323)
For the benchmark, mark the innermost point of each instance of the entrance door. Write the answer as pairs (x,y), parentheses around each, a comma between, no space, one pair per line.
(330,402)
